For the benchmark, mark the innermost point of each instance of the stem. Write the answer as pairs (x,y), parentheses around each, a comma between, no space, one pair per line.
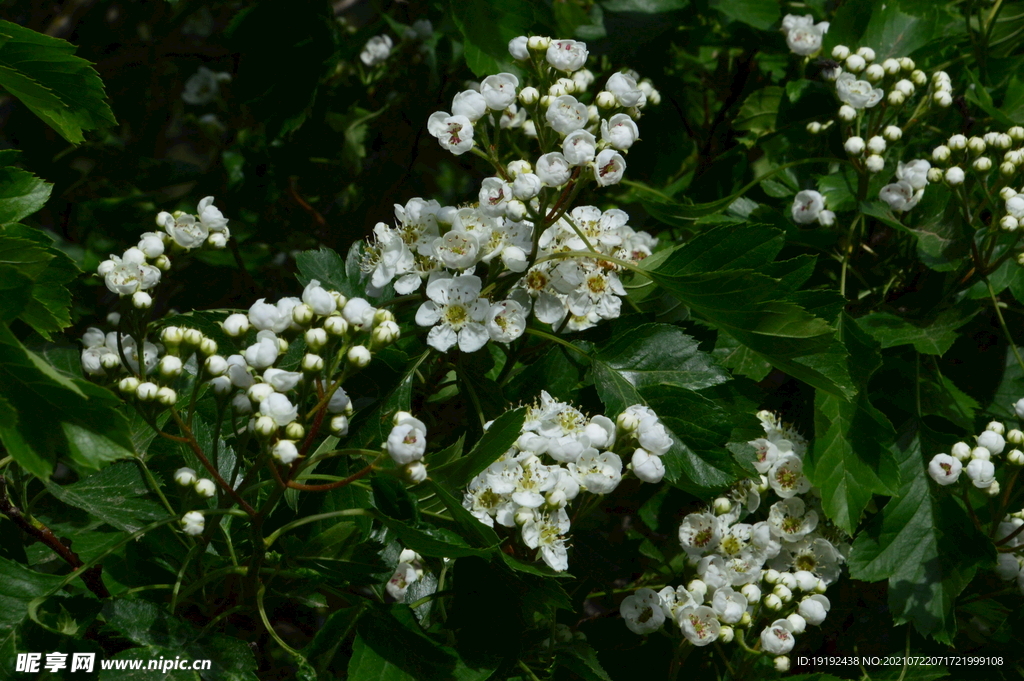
(312,519)
(197,450)
(1002,323)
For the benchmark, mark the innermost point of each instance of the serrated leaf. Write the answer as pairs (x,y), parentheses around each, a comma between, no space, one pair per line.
(62,89)
(497,440)
(924,544)
(487,26)
(933,337)
(115,495)
(759,110)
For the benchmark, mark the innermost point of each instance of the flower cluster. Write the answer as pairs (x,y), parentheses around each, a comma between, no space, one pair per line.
(803,36)
(138,270)
(777,568)
(522,248)
(376,50)
(560,453)
(406,444)
(407,572)
(203,86)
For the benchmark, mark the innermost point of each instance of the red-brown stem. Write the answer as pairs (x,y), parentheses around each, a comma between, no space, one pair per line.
(565,195)
(197,450)
(333,485)
(92,577)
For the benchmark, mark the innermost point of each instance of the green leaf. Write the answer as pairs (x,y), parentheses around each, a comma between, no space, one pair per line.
(45,303)
(651,354)
(582,661)
(21,193)
(487,26)
(431,541)
(934,337)
(497,440)
(759,110)
(760,14)
(895,32)
(114,495)
(644,6)
(392,499)
(474,530)
(924,543)
(62,89)
(18,587)
(741,359)
(850,459)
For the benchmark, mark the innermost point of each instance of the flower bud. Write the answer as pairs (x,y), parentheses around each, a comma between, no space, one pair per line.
(957,142)
(876,145)
(954,175)
(854,146)
(285,451)
(982,164)
(993,489)
(529,96)
(208,346)
(798,622)
(781,663)
(142,300)
(771,576)
(919,77)
(1003,141)
(892,133)
(110,361)
(726,634)
(855,63)
(515,210)
(698,588)
(302,314)
(312,363)
(840,52)
(1015,437)
(847,113)
(241,404)
(874,163)
(772,602)
(814,127)
(169,366)
(128,384)
(896,98)
(627,421)
(162,262)
(236,325)
(186,477)
(221,385)
(384,334)
(415,472)
(192,336)
(942,98)
(1015,457)
(784,593)
(215,365)
(556,499)
(940,154)
(605,100)
(722,505)
(935,175)
(905,87)
(294,431)
(171,336)
(260,391)
(867,53)
(1007,169)
(982,453)
(996,427)
(891,66)
(205,487)
(538,43)
(874,73)
(751,592)
(336,325)
(265,426)
(316,339)
(339,425)
(146,391)
(788,580)
(359,355)
(166,396)
(976,145)
(907,64)
(1020,259)
(193,523)
(523,515)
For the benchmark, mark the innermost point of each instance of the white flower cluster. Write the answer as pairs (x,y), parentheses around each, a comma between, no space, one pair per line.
(809,207)
(138,269)
(376,50)
(203,86)
(977,462)
(407,572)
(204,487)
(803,36)
(100,353)
(779,567)
(560,453)
(906,192)
(406,444)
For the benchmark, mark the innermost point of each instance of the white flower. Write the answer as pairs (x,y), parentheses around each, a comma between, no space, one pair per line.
(205,487)
(579,148)
(699,533)
(567,55)
(457,250)
(648,467)
(565,114)
(1018,408)
(506,321)
(653,436)
(900,196)
(456,312)
(152,244)
(857,93)
(955,175)
(729,605)
(285,451)
(807,205)
(642,611)
(454,133)
(609,167)
(499,90)
(322,302)
(518,48)
(1015,207)
(282,381)
(981,472)
(992,441)
(788,520)
(377,49)
(405,575)
(129,273)
(787,478)
(814,609)
(193,523)
(944,469)
(914,173)
(625,89)
(596,472)
(263,353)
(266,317)
(407,441)
(620,131)
(279,408)
(553,170)
(471,104)
(494,196)
(778,639)
(802,35)
(186,477)
(700,625)
(545,531)
(202,86)
(236,324)
(526,186)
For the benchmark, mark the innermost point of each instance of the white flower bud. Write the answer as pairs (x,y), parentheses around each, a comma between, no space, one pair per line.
(171,336)
(1015,437)
(788,580)
(166,396)
(781,663)
(142,300)
(169,366)
(874,163)
(316,339)
(957,142)
(892,133)
(221,385)
(241,404)
(415,472)
(336,325)
(193,523)
(751,592)
(772,602)
(236,325)
(384,334)
(940,154)
(854,146)
(771,576)
(726,633)
(265,426)
(982,453)
(1003,141)
(294,431)
(996,427)
(285,451)
(312,363)
(976,145)
(302,314)
(722,505)
(814,127)
(186,477)
(855,63)
(896,98)
(359,355)
(942,98)
(875,73)
(798,622)
(539,43)
(919,77)
(128,384)
(205,487)
(867,53)
(847,113)
(260,391)
(905,87)
(954,175)
(876,145)
(982,164)
(840,52)
(1007,169)
(992,441)
(339,425)
(935,175)
(605,100)
(208,346)
(523,515)
(192,336)
(146,391)
(628,421)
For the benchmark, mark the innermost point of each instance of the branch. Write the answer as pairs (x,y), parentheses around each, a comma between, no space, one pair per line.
(198,451)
